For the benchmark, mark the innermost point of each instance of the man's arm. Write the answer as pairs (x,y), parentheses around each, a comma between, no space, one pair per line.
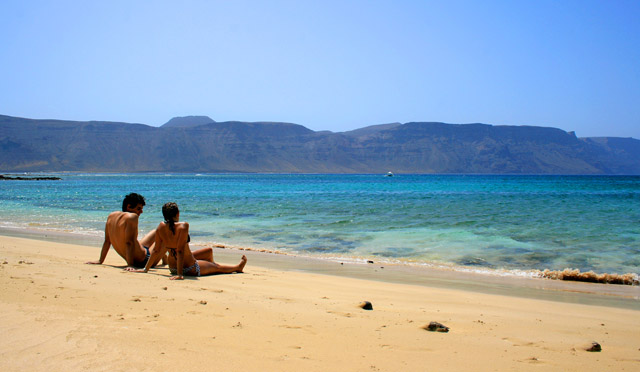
(131,238)
(105,248)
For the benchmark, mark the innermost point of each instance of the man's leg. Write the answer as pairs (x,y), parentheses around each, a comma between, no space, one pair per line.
(149,239)
(149,242)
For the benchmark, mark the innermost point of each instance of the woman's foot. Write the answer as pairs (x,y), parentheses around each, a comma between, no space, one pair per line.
(243,261)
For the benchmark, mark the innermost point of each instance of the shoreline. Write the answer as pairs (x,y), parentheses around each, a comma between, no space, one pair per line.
(566,274)
(57,310)
(488,282)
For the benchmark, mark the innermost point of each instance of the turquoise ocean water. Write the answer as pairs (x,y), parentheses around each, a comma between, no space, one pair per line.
(510,224)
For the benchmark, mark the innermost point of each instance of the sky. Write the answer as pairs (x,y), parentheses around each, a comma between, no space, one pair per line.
(327,65)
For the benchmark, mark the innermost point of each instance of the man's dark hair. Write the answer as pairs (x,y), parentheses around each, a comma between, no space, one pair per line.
(133,200)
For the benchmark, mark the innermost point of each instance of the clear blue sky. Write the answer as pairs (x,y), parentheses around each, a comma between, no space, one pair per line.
(327,65)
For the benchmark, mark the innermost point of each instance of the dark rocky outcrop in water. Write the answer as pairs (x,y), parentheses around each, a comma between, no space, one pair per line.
(19,178)
(199,144)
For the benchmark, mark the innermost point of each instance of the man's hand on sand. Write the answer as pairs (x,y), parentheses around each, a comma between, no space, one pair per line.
(133,269)
(177,277)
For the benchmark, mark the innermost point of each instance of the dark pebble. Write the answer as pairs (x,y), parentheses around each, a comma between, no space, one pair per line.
(366,305)
(436,327)
(595,347)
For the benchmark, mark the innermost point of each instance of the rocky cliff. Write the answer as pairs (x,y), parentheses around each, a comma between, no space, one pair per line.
(199,144)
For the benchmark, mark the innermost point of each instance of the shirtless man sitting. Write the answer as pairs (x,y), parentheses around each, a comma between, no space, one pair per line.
(121,231)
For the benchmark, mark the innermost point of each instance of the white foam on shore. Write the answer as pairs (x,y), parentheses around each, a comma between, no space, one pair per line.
(35,228)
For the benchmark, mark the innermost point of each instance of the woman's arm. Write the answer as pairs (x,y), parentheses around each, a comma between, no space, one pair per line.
(183,232)
(158,250)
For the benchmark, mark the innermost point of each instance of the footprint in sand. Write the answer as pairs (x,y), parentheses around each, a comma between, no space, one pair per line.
(532,360)
(307,329)
(347,315)
(524,343)
(283,299)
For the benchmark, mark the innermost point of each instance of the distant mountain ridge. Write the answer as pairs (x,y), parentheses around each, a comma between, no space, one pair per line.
(188,121)
(200,144)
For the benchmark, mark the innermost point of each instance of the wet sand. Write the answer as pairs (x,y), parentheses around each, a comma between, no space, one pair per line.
(291,313)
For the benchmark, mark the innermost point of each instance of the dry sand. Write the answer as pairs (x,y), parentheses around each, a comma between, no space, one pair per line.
(59,314)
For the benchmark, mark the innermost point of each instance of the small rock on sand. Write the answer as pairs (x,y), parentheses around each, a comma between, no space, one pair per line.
(595,347)
(366,305)
(436,327)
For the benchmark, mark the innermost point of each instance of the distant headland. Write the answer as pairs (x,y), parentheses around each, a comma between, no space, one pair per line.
(200,144)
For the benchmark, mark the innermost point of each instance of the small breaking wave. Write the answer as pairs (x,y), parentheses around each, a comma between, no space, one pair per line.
(566,274)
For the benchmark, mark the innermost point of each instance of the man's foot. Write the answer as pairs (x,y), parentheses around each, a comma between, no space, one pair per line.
(243,261)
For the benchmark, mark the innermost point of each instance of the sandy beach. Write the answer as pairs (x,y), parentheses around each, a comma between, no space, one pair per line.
(57,313)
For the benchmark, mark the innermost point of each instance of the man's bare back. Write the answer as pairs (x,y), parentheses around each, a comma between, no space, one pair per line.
(121,232)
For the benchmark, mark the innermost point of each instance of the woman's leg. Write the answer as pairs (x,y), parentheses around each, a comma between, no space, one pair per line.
(204,254)
(212,268)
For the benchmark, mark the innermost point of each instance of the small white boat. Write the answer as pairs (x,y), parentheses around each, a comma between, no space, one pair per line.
(389,174)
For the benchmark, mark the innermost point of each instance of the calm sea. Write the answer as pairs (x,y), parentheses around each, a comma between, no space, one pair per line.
(502,223)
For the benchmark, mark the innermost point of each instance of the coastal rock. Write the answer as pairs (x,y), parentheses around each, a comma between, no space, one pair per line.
(9,178)
(594,347)
(590,276)
(436,327)
(366,305)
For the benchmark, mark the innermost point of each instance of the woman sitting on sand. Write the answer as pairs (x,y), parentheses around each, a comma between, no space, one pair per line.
(174,236)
